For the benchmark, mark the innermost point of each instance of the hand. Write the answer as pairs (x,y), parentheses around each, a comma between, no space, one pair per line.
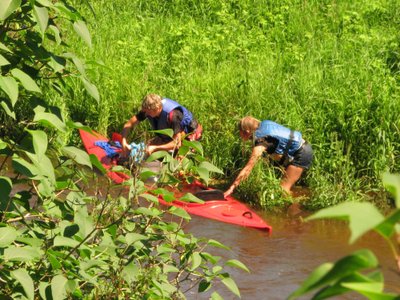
(150,149)
(125,147)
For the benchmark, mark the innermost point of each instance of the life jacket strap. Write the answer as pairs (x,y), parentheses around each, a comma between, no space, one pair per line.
(288,145)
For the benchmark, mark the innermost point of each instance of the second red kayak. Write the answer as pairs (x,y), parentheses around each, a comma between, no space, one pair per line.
(216,207)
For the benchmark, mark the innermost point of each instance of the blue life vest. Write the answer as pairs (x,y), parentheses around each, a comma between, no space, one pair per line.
(282,134)
(161,122)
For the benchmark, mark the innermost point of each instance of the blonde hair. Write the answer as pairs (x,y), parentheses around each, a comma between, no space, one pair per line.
(248,124)
(151,102)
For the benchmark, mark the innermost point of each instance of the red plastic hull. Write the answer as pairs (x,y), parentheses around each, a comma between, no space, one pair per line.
(228,210)
(88,140)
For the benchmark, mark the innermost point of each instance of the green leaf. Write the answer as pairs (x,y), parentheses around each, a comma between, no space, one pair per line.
(388,227)
(23,167)
(237,264)
(43,288)
(231,285)
(216,296)
(88,264)
(312,280)
(3,61)
(57,63)
(328,274)
(26,81)
(54,261)
(35,242)
(3,145)
(158,155)
(170,268)
(147,212)
(79,156)
(84,222)
(371,290)
(49,120)
(41,16)
(40,142)
(362,216)
(204,174)
(168,132)
(393,181)
(196,261)
(56,32)
(204,285)
(5,188)
(134,237)
(2,46)
(8,111)
(189,197)
(130,272)
(81,29)
(338,287)
(210,258)
(79,65)
(58,285)
(44,166)
(7,235)
(22,276)
(26,254)
(180,212)
(150,197)
(64,242)
(96,162)
(10,86)
(91,88)
(7,7)
(217,244)
(196,145)
(210,167)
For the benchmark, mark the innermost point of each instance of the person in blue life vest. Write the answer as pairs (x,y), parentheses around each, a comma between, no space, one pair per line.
(282,144)
(163,113)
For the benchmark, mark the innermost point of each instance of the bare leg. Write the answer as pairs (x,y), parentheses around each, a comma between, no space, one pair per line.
(292,174)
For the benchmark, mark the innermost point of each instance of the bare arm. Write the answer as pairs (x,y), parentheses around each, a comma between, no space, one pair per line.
(172,145)
(245,172)
(125,131)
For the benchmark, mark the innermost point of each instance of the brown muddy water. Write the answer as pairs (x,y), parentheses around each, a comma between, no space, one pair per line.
(280,262)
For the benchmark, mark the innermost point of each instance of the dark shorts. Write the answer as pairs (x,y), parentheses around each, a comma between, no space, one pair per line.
(303,157)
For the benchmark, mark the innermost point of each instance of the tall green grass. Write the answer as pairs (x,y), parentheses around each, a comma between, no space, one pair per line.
(327,68)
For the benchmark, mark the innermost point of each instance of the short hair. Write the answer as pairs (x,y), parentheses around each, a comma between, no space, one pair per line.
(151,102)
(248,123)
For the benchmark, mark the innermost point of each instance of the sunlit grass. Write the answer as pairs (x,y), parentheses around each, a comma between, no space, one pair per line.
(328,69)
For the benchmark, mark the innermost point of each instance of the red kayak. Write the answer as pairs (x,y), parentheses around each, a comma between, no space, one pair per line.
(215,206)
(89,140)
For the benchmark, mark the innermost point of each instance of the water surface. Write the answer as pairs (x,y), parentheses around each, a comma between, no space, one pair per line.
(280,262)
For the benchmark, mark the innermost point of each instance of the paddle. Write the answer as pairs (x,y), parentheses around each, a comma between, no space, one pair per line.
(213,194)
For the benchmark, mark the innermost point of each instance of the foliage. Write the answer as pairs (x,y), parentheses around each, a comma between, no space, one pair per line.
(327,68)
(358,272)
(56,240)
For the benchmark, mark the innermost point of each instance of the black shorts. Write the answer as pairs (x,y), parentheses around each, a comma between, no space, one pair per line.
(303,157)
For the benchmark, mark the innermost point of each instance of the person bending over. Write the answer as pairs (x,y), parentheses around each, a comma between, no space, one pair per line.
(282,144)
(164,113)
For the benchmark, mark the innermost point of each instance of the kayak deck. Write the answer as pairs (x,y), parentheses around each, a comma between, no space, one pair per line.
(216,207)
